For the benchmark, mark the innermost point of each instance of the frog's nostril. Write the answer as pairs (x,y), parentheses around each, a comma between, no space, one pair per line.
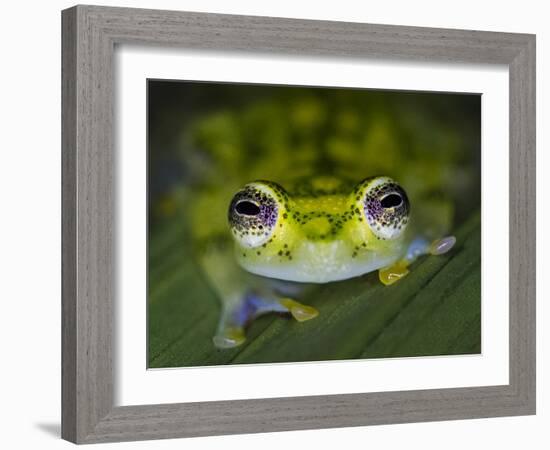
(247,208)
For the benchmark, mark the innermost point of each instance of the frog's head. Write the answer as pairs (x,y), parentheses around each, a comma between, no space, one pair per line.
(324,230)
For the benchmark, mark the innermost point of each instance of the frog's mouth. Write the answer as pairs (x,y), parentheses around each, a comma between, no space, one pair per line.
(318,263)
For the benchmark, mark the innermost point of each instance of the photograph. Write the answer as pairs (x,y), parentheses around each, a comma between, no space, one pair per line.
(304,223)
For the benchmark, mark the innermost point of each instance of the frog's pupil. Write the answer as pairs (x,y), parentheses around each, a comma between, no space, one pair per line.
(247,208)
(391,200)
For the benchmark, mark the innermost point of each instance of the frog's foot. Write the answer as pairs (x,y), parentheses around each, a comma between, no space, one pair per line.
(229,337)
(393,273)
(441,246)
(231,331)
(299,311)
(419,247)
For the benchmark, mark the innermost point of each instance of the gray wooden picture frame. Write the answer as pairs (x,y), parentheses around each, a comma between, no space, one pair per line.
(90,34)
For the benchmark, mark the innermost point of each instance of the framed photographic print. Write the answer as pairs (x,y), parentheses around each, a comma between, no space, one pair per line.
(278,224)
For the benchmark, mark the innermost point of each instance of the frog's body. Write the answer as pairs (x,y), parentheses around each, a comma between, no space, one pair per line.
(313,147)
(313,230)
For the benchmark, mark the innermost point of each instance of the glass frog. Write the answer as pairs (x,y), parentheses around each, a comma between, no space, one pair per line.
(317,229)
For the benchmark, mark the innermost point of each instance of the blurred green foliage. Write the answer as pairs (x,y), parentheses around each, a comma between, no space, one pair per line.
(206,140)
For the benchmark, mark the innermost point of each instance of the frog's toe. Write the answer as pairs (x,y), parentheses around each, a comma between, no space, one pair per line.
(229,337)
(441,246)
(299,311)
(391,274)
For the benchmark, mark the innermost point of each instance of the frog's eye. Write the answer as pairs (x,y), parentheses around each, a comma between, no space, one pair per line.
(392,200)
(247,208)
(253,214)
(386,207)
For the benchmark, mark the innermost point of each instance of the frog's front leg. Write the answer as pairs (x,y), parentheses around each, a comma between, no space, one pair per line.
(245,296)
(238,314)
(418,247)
